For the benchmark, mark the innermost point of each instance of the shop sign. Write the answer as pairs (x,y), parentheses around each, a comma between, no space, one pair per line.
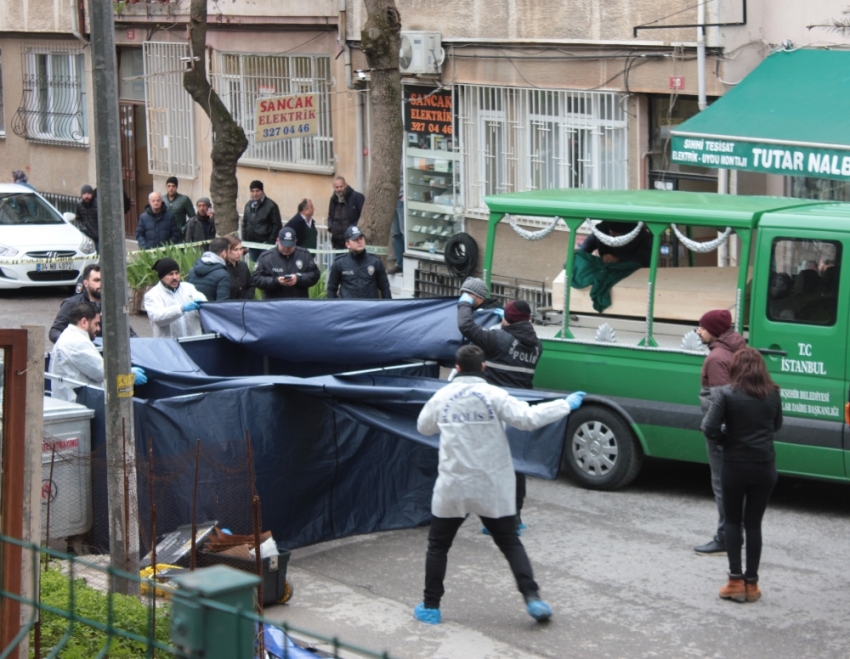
(285,117)
(785,160)
(428,110)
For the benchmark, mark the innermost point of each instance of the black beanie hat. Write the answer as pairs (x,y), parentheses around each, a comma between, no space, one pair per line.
(86,189)
(164,266)
(256,185)
(172,179)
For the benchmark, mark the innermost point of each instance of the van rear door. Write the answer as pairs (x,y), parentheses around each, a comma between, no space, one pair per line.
(799,323)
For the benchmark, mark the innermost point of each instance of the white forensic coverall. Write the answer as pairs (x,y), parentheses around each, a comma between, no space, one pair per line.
(165,311)
(476,473)
(74,356)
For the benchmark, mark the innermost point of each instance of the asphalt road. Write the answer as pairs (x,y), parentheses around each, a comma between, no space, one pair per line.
(618,569)
(38,306)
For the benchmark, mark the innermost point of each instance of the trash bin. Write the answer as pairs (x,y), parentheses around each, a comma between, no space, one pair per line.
(67,442)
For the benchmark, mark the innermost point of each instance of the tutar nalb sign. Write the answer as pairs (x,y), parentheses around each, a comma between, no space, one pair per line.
(285,117)
(787,160)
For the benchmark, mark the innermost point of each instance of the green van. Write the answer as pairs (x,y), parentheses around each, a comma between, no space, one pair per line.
(640,359)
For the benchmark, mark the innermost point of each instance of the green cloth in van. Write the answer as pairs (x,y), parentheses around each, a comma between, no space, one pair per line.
(589,270)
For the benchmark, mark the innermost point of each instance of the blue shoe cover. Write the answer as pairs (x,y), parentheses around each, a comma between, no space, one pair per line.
(521,526)
(430,616)
(518,531)
(539,610)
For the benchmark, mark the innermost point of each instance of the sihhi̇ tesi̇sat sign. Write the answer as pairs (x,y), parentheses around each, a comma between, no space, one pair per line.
(285,117)
(784,159)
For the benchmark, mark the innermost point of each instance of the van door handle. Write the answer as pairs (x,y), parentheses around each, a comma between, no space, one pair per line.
(769,351)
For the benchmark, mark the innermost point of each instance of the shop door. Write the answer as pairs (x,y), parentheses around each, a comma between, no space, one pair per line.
(799,323)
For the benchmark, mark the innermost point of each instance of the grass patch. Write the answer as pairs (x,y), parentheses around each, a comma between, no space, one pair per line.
(129,614)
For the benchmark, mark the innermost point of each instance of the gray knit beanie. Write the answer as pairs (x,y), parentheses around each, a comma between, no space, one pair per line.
(475,286)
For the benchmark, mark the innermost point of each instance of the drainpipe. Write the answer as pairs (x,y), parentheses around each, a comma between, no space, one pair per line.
(349,83)
(701,55)
(78,19)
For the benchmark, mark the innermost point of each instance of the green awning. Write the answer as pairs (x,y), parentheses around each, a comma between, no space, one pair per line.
(790,116)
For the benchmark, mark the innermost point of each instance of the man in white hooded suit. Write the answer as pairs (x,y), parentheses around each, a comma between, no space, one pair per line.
(476,473)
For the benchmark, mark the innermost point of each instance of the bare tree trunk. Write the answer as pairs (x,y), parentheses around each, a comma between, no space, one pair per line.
(229,141)
(380,42)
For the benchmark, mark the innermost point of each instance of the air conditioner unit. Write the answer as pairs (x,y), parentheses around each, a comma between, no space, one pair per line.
(420,53)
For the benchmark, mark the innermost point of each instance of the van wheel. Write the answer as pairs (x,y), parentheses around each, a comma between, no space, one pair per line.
(601,452)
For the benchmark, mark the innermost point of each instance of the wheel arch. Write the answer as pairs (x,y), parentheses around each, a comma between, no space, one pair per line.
(619,409)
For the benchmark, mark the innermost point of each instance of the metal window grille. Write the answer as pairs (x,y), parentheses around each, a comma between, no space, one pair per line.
(516,139)
(53,104)
(170,111)
(243,78)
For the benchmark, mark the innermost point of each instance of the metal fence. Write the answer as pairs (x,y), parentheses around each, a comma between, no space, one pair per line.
(62,202)
(73,607)
(434,280)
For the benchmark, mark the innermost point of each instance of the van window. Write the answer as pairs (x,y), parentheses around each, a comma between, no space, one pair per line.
(803,283)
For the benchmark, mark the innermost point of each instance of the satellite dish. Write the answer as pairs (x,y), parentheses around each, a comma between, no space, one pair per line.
(405,53)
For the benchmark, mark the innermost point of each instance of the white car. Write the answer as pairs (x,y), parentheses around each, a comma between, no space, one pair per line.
(38,246)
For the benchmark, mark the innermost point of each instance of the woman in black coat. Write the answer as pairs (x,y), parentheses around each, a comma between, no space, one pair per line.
(240,274)
(743,418)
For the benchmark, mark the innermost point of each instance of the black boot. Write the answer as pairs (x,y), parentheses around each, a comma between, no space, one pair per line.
(717,545)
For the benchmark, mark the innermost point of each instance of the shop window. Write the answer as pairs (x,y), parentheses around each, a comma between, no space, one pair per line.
(803,283)
(823,189)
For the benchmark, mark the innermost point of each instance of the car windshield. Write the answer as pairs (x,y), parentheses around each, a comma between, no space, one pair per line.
(27,208)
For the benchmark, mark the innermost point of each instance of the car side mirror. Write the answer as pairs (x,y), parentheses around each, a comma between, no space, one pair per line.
(69,217)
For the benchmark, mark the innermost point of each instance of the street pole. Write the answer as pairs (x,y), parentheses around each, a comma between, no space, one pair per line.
(118,380)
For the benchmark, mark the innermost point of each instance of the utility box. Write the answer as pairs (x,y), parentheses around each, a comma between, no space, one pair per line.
(67,493)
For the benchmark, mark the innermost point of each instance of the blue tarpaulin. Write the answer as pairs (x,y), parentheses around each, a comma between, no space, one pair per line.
(334,455)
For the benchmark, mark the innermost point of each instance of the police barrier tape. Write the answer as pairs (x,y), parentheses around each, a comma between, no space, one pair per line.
(95,257)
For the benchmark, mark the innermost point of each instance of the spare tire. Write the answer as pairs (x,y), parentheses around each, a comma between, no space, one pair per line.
(461,255)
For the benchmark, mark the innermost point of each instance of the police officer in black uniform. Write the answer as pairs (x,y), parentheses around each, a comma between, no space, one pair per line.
(358,275)
(285,271)
(511,352)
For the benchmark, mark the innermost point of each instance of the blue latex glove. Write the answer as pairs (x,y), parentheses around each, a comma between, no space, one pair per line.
(575,399)
(139,372)
(499,312)
(466,298)
(191,306)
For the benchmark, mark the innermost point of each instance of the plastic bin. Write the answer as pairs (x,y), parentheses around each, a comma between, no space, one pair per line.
(274,571)
(67,441)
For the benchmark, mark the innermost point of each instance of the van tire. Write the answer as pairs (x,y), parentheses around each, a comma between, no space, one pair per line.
(601,452)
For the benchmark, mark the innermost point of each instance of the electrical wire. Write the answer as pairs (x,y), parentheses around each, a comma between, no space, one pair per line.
(461,255)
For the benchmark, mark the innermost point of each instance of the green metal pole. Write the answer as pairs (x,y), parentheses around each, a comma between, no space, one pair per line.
(573,225)
(745,236)
(495,218)
(656,230)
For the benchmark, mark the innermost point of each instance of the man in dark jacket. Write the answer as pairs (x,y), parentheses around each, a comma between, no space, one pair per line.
(638,250)
(87,214)
(287,271)
(511,352)
(91,289)
(358,275)
(202,226)
(306,232)
(209,273)
(178,204)
(157,225)
(715,330)
(261,221)
(346,206)
(241,287)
